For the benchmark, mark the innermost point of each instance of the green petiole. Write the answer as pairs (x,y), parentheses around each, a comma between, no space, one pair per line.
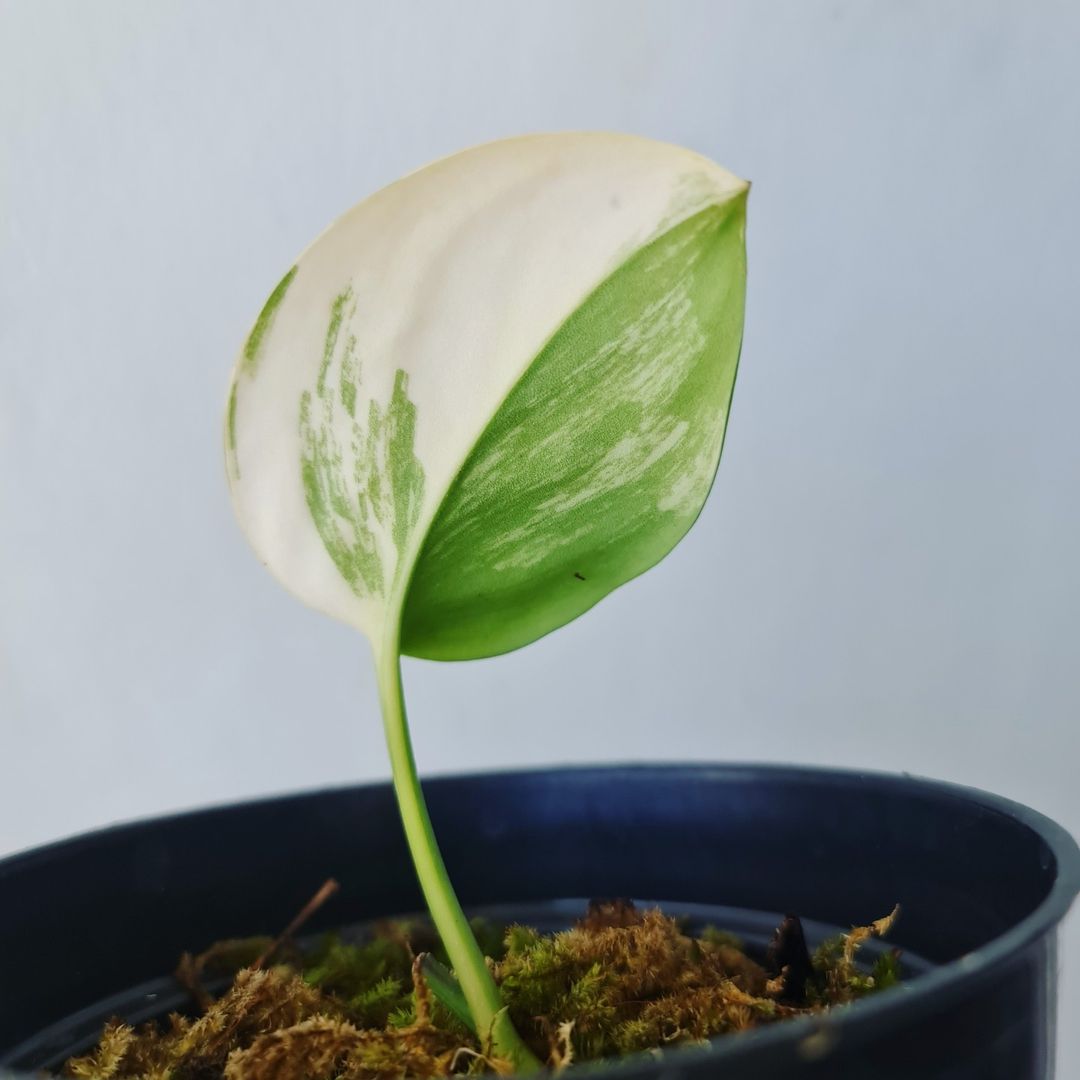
(482,995)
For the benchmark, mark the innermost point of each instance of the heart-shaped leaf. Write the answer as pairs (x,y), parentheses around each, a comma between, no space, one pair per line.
(495,390)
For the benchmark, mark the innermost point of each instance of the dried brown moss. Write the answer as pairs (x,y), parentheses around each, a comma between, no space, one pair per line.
(620,982)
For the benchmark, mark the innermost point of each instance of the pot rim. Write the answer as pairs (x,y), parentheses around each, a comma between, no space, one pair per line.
(805,1037)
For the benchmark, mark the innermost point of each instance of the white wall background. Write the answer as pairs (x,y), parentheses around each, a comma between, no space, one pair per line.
(886,574)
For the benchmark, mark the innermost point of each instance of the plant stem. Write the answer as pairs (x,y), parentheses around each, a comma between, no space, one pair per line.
(470,967)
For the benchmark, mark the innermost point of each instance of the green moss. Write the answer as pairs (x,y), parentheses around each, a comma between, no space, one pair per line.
(349,970)
(620,982)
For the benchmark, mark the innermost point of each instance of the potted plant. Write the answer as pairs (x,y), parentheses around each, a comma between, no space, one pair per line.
(483,399)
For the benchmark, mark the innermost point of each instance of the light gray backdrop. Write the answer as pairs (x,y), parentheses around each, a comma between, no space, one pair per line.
(886,573)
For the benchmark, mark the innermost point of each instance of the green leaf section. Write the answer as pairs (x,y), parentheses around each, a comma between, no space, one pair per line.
(363,482)
(249,363)
(230,419)
(253,345)
(601,456)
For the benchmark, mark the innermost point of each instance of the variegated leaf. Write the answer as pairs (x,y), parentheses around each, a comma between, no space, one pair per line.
(495,390)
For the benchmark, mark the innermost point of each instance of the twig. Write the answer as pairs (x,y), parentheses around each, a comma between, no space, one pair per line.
(329,887)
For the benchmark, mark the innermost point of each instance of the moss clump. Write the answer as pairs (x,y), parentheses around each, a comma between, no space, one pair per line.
(620,982)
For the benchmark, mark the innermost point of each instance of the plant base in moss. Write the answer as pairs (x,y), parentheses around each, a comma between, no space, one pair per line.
(620,982)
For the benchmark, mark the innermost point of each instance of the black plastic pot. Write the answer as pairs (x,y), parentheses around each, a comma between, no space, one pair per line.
(983,883)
